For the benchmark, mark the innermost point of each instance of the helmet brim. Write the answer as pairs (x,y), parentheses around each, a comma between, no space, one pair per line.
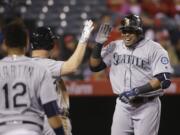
(131,28)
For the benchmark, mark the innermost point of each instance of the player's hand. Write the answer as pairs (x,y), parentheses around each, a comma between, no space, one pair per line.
(88,27)
(128,96)
(103,33)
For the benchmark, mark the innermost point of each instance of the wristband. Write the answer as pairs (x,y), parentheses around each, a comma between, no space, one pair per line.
(59,131)
(96,53)
(143,89)
(83,40)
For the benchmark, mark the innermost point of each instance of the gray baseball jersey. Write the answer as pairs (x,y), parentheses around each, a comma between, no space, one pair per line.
(55,67)
(25,87)
(131,68)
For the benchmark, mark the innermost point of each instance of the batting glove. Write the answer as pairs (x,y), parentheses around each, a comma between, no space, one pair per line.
(88,27)
(128,96)
(103,33)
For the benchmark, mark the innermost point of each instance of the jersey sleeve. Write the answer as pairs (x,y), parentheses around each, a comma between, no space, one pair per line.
(106,53)
(160,62)
(47,89)
(55,67)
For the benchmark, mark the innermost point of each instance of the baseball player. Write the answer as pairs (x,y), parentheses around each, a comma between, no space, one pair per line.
(64,109)
(42,44)
(139,71)
(25,85)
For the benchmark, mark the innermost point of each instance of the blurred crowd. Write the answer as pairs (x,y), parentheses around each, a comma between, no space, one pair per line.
(161,20)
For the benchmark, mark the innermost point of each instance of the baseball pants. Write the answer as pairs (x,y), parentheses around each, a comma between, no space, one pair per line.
(142,119)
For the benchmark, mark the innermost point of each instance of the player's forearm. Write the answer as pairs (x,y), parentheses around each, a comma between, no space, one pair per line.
(52,112)
(55,122)
(72,64)
(160,81)
(95,59)
(155,84)
(94,62)
(97,65)
(152,85)
(75,60)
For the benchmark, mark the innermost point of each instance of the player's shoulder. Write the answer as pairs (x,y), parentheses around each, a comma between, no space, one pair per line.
(155,46)
(42,59)
(37,64)
(24,60)
(47,62)
(153,43)
(114,44)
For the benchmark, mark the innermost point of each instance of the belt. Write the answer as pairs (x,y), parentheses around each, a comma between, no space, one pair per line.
(20,122)
(140,100)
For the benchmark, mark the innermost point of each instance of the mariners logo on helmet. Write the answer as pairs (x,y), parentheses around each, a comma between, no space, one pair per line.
(126,20)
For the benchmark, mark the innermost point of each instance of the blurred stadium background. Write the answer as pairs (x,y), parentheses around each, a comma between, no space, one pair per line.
(92,101)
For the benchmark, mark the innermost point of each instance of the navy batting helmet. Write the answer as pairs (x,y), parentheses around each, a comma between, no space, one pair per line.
(42,38)
(131,23)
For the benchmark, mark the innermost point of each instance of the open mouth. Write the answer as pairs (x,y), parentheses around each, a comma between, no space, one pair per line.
(127,39)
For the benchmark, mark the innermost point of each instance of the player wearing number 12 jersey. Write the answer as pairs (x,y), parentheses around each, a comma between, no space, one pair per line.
(24,89)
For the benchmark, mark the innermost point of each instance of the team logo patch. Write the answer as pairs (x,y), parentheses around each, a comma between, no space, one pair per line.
(127,22)
(164,60)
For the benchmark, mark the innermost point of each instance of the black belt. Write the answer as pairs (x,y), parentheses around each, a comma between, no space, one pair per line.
(139,100)
(21,122)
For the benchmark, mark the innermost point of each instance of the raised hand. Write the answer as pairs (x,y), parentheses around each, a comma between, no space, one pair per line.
(88,27)
(103,33)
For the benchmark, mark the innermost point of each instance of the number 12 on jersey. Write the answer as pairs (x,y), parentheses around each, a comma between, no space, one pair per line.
(15,96)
